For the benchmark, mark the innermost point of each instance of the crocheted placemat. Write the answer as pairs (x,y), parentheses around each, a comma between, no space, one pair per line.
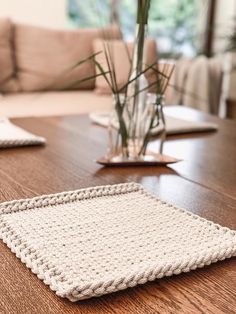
(174,126)
(99,240)
(13,136)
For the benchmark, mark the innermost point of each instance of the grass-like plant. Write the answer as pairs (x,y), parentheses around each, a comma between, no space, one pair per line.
(131,90)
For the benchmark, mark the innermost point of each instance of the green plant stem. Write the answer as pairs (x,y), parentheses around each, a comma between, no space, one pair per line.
(122,126)
(147,137)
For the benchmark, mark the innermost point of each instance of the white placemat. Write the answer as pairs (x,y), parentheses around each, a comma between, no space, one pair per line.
(100,240)
(13,136)
(173,125)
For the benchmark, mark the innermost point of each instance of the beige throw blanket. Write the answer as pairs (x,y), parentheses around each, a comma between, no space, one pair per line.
(197,83)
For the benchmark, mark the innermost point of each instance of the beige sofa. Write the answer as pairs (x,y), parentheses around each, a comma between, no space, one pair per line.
(32,71)
(36,64)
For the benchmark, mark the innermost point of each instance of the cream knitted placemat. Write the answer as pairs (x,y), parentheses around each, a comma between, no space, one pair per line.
(100,240)
(174,126)
(13,136)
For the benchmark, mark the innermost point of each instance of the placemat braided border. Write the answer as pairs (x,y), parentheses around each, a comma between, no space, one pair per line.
(27,139)
(74,292)
(17,142)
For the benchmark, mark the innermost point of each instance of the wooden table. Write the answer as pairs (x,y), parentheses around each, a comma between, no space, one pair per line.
(204,183)
(231,108)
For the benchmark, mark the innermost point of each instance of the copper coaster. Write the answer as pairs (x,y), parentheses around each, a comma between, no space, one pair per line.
(150,159)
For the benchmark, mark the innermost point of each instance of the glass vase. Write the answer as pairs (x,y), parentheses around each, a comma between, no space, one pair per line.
(129,137)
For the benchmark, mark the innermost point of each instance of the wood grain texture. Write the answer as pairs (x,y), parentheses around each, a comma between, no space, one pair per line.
(204,183)
(231,109)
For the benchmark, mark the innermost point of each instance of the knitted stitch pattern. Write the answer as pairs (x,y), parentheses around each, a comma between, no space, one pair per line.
(13,136)
(95,241)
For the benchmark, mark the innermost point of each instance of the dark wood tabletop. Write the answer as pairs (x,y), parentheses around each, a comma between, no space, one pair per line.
(204,183)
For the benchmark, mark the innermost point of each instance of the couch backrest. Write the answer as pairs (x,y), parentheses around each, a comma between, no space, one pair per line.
(119,55)
(44,58)
(7,64)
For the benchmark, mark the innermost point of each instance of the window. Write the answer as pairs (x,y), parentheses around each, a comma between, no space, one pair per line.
(172,22)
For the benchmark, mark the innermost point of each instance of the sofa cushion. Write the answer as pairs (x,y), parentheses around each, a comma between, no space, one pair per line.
(53,103)
(44,57)
(7,81)
(120,55)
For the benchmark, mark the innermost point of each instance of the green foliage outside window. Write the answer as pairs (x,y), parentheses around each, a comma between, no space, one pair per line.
(172,22)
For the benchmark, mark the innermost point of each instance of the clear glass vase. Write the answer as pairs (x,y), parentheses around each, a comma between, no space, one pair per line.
(129,136)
